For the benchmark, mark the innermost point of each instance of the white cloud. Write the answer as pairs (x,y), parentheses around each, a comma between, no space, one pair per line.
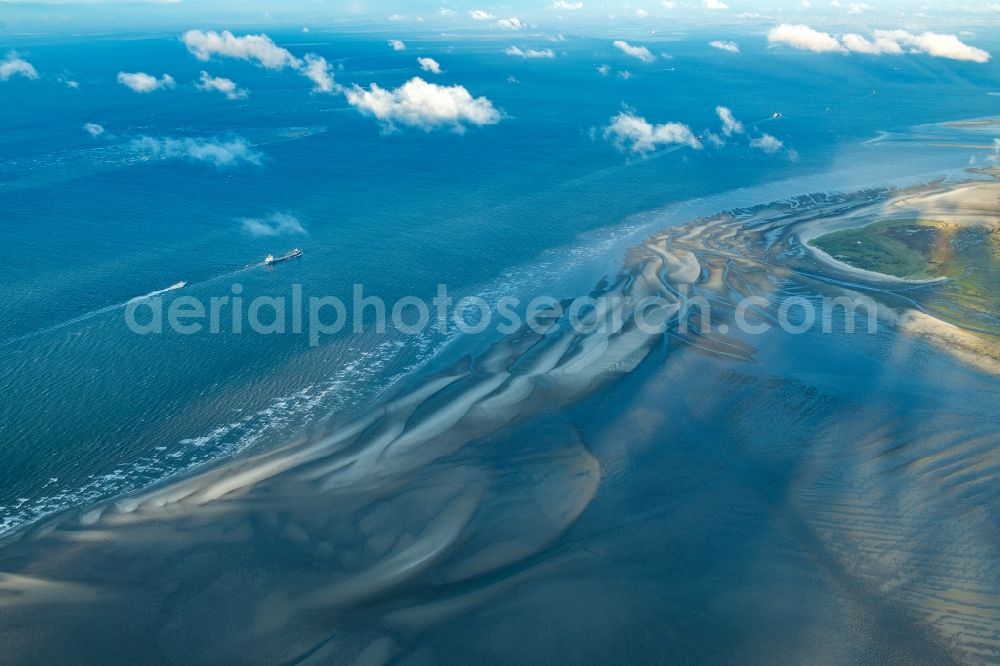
(141,82)
(225,86)
(730,125)
(625,75)
(12,65)
(480,15)
(603,69)
(568,6)
(317,70)
(445,11)
(259,48)
(278,224)
(631,132)
(935,44)
(640,52)
(731,47)
(262,50)
(715,4)
(221,153)
(93,129)
(512,23)
(429,65)
(397,45)
(885,42)
(669,4)
(529,53)
(428,106)
(641,13)
(767,143)
(804,38)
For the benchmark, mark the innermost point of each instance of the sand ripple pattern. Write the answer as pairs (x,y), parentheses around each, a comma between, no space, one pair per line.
(347,546)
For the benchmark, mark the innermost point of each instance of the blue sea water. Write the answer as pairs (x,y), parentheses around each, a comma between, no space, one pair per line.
(538,203)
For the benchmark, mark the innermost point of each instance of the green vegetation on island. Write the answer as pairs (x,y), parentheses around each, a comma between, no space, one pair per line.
(968,256)
(914,249)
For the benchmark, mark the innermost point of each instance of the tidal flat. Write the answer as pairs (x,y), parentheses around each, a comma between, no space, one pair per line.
(825,495)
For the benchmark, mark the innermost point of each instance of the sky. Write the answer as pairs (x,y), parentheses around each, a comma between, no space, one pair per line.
(512,15)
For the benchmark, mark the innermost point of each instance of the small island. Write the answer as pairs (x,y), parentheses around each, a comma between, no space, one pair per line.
(943,238)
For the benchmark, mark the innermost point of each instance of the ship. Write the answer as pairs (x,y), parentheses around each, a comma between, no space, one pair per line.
(270,259)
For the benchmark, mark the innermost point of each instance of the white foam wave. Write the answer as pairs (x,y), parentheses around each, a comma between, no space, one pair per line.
(280,420)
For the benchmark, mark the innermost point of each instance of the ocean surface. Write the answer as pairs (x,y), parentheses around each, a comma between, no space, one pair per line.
(535,203)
